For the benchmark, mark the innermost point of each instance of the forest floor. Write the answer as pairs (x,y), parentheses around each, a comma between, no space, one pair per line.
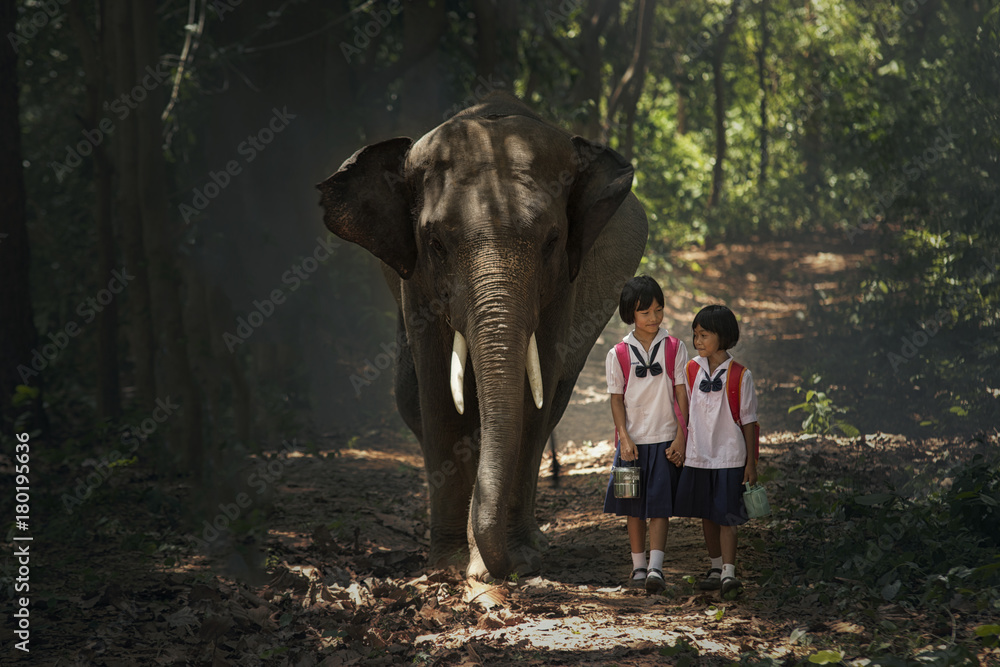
(346,536)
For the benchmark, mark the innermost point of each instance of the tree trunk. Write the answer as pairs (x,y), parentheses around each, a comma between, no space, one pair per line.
(121,52)
(17,329)
(158,233)
(719,87)
(765,38)
(590,86)
(813,140)
(92,54)
(626,95)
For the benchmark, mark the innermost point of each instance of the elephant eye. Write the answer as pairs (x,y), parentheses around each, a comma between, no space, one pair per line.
(438,247)
(550,245)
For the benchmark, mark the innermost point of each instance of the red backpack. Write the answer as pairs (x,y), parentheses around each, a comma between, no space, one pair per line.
(669,357)
(733,389)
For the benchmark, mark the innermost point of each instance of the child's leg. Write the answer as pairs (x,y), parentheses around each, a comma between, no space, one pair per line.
(713,579)
(727,541)
(730,584)
(712,537)
(637,534)
(658,533)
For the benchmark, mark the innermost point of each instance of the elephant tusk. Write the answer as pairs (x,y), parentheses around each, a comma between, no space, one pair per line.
(459,354)
(534,368)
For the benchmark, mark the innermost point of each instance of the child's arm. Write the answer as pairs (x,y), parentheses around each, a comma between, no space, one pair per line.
(629,452)
(677,451)
(750,471)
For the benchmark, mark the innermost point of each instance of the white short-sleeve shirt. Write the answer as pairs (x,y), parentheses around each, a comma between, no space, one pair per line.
(649,408)
(714,440)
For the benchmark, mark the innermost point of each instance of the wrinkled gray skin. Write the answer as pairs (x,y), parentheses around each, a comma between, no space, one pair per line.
(497,225)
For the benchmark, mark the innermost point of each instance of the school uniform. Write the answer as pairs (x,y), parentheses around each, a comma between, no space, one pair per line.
(650,422)
(711,482)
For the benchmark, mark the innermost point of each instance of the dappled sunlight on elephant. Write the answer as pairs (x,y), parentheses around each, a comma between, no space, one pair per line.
(505,242)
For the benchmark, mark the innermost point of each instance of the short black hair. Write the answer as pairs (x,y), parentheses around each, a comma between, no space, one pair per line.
(638,294)
(721,321)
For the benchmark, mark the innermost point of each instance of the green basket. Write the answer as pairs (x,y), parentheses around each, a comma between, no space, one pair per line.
(755,499)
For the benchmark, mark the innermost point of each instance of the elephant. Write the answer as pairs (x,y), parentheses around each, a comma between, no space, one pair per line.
(504,240)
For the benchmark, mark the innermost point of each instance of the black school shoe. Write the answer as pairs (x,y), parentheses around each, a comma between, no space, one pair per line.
(654,581)
(633,582)
(731,587)
(712,580)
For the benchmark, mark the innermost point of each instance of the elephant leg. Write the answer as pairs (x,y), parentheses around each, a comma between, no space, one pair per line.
(450,446)
(407,387)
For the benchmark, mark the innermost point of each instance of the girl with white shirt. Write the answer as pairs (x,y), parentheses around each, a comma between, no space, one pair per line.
(719,455)
(642,400)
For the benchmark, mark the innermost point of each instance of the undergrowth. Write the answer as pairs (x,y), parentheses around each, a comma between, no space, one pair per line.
(924,554)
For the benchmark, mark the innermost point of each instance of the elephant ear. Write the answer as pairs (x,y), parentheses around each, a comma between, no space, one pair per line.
(367,202)
(603,180)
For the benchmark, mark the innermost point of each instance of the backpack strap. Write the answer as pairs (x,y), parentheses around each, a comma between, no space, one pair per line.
(670,358)
(692,373)
(734,389)
(621,351)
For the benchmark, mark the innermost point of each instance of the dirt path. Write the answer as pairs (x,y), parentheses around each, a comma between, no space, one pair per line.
(346,535)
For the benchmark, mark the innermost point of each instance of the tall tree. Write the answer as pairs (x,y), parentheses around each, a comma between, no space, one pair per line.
(719,87)
(17,329)
(625,96)
(92,55)
(765,39)
(121,57)
(589,87)
(160,235)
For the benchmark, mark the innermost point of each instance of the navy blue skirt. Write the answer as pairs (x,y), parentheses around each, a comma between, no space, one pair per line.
(657,483)
(713,494)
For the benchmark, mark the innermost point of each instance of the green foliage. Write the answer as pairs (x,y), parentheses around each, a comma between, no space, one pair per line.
(822,413)
(929,553)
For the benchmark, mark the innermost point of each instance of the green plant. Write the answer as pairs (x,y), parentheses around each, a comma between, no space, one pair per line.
(822,412)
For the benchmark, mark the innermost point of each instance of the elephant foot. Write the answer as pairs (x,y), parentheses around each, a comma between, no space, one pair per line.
(449,555)
(525,558)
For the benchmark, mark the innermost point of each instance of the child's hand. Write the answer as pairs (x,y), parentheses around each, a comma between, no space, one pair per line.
(676,452)
(629,452)
(750,472)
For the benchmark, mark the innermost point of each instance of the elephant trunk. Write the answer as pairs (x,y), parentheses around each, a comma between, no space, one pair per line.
(499,330)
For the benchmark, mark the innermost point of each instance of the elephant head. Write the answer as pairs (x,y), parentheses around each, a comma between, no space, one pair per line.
(490,215)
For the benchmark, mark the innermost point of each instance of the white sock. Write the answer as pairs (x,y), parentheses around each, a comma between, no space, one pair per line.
(728,570)
(639,560)
(716,563)
(655,559)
